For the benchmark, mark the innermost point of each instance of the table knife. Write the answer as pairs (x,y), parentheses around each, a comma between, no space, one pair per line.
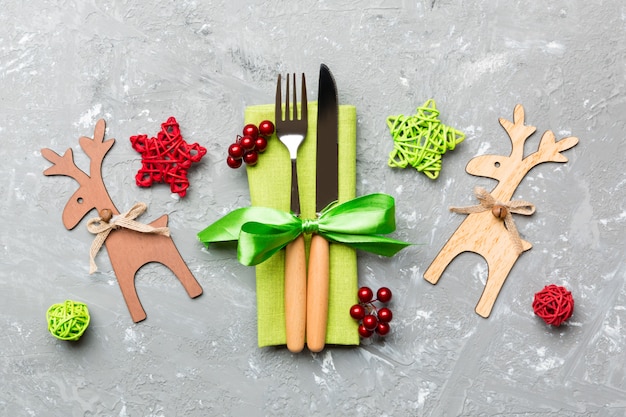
(326,192)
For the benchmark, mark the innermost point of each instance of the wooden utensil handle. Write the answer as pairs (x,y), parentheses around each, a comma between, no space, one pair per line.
(317,293)
(295,294)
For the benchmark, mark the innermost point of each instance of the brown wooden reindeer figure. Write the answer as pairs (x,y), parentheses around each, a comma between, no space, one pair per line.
(489,230)
(130,244)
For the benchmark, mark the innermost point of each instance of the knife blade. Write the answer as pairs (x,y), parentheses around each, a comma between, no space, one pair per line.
(326,192)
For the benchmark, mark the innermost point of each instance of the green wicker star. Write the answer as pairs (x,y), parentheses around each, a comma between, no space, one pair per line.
(420,140)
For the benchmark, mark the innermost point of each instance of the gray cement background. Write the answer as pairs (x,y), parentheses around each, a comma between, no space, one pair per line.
(64,64)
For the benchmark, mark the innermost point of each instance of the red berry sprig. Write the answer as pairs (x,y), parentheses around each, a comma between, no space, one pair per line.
(372,319)
(247,147)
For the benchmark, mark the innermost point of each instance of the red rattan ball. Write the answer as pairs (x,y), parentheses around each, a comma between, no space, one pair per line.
(554,304)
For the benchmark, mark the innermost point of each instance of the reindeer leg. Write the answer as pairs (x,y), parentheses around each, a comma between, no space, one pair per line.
(125,265)
(164,251)
(450,250)
(126,281)
(499,269)
(176,263)
(464,239)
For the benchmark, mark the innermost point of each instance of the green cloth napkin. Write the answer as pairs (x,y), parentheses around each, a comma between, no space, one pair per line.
(270,186)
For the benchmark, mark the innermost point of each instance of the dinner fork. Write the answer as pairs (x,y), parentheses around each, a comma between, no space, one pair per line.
(291,131)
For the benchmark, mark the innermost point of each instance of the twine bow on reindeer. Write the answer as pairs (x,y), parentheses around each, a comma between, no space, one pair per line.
(500,210)
(104,224)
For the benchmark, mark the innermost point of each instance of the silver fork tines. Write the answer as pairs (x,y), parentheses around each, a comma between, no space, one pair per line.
(291,131)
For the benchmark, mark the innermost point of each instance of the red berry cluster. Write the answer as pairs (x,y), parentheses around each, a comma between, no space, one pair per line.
(247,147)
(372,319)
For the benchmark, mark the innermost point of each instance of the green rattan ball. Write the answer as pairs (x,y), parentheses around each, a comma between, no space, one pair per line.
(68,320)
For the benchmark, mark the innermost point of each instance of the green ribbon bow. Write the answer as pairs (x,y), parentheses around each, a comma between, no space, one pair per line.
(263,231)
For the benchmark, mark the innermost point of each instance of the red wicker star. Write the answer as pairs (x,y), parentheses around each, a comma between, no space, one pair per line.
(166,158)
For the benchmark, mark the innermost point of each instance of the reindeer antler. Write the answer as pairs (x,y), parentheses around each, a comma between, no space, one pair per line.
(63,165)
(91,192)
(96,148)
(517,131)
(550,150)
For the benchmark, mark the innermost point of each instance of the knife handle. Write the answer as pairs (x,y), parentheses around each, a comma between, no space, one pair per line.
(295,294)
(317,293)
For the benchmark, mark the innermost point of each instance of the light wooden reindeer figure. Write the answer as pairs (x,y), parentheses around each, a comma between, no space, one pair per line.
(488,230)
(128,249)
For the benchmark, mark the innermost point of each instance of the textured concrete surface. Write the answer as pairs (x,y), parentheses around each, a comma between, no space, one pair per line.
(65,63)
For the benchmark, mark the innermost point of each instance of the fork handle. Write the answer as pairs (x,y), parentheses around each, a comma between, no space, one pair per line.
(317,293)
(295,192)
(295,294)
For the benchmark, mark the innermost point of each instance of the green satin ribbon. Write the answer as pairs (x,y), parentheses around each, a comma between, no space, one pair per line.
(263,231)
